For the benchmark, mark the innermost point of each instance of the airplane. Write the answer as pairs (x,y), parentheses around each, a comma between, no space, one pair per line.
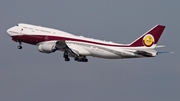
(50,40)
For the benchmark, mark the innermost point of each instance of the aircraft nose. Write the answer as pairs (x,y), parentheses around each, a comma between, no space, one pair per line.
(10,31)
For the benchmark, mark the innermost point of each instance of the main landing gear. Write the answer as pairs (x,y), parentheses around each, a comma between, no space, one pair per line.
(19,46)
(66,57)
(81,59)
(77,58)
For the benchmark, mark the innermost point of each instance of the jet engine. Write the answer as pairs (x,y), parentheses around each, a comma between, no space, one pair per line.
(47,47)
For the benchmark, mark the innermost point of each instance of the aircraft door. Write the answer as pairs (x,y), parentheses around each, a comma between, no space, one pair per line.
(21,31)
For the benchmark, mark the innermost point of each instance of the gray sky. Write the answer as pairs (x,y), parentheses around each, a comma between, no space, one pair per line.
(27,75)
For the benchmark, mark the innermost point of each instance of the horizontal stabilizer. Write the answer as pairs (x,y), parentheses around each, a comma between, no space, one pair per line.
(144,53)
(160,46)
(164,52)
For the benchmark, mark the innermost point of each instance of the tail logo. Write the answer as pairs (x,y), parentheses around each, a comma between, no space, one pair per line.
(148,40)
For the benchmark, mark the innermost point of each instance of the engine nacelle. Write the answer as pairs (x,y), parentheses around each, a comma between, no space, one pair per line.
(47,47)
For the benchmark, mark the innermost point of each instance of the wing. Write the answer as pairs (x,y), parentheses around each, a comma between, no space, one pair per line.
(72,48)
(129,53)
(77,49)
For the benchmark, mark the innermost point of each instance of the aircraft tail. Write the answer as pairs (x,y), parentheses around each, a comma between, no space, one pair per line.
(150,38)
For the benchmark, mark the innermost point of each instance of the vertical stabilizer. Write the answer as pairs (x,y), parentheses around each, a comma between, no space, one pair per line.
(150,38)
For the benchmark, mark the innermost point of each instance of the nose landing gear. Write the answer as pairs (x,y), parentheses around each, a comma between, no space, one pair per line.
(19,46)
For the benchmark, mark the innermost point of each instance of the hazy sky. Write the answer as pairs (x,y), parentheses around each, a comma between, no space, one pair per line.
(27,75)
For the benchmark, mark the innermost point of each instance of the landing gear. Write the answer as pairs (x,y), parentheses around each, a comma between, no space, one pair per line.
(19,47)
(81,59)
(78,58)
(85,60)
(66,57)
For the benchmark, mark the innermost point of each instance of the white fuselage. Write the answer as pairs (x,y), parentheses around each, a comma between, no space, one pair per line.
(80,45)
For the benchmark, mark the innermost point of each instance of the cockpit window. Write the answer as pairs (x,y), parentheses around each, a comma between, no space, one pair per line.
(17,25)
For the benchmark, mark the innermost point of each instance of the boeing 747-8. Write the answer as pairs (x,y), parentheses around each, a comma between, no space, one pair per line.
(51,40)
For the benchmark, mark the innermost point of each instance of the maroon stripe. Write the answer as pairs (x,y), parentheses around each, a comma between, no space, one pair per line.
(35,39)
